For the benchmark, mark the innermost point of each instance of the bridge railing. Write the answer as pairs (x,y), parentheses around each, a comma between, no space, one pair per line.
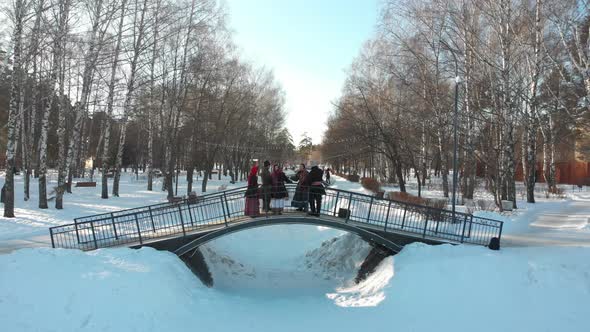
(144,224)
(421,221)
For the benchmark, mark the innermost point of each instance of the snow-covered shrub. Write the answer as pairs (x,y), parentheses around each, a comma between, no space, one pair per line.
(405,197)
(436,204)
(371,184)
(353,177)
(485,205)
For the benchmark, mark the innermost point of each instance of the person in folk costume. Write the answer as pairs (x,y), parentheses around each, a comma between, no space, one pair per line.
(302,191)
(266,188)
(252,208)
(279,191)
(316,189)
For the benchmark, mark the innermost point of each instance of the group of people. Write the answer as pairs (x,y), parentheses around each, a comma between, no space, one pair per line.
(273,191)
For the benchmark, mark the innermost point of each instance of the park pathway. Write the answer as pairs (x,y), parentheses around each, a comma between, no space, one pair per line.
(560,224)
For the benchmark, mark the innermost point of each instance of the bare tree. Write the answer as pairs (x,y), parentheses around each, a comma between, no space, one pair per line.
(16,90)
(138,41)
(53,96)
(111,95)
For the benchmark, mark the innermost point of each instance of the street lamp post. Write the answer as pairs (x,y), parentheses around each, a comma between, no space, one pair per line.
(455,115)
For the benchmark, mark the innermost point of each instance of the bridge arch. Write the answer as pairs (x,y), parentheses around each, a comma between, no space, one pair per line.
(367,235)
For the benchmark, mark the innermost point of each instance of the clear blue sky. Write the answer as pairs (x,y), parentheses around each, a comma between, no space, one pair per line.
(309,45)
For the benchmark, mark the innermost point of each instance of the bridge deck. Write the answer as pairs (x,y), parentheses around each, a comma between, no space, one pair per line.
(213,212)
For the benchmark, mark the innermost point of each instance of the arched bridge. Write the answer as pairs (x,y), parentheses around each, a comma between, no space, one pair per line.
(183,226)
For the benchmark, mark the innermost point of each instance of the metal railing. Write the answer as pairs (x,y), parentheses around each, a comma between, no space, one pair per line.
(160,221)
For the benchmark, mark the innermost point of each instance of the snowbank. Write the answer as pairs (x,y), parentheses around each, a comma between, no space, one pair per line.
(273,260)
(424,288)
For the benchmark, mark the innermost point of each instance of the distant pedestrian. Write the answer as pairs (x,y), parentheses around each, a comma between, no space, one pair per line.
(279,190)
(301,197)
(316,189)
(328,176)
(266,186)
(252,207)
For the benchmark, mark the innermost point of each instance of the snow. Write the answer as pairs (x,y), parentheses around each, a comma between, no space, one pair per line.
(298,277)
(248,262)
(424,288)
(551,221)
(30,227)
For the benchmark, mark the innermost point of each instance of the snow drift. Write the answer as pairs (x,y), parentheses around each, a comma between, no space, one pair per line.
(423,288)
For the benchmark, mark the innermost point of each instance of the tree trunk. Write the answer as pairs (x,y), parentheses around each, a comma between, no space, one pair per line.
(150,110)
(61,140)
(532,164)
(24,139)
(532,128)
(15,90)
(205,180)
(507,109)
(80,107)
(400,176)
(137,48)
(110,98)
(189,179)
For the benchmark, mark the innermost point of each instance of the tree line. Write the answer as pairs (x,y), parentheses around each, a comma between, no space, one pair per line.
(519,69)
(151,84)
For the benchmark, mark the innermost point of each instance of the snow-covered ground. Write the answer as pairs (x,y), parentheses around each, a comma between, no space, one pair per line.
(298,277)
(30,227)
(551,221)
(424,288)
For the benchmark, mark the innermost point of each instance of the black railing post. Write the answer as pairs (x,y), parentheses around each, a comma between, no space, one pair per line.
(348,211)
(437,221)
(114,226)
(387,215)
(181,220)
(470,224)
(500,232)
(336,204)
(138,229)
(188,208)
(76,228)
(370,208)
(223,209)
(463,231)
(404,216)
(93,235)
(425,226)
(152,218)
(51,234)
(226,206)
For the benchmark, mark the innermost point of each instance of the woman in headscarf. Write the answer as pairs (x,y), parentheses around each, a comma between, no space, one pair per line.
(252,208)
(279,190)
(302,191)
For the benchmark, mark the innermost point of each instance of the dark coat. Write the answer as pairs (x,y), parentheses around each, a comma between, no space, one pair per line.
(301,192)
(314,181)
(252,191)
(266,181)
(278,185)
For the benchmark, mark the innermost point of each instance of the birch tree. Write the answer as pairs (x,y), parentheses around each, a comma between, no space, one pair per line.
(53,97)
(19,15)
(111,95)
(138,42)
